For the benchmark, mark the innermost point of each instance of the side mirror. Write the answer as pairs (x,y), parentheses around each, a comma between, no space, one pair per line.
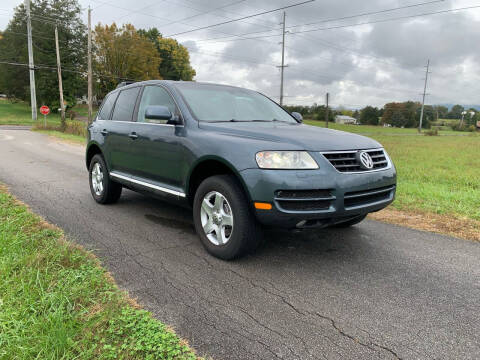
(297,116)
(158,112)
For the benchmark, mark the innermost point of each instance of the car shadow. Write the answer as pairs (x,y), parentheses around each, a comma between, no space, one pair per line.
(315,243)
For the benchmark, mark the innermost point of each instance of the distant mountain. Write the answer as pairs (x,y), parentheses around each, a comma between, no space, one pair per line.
(476,107)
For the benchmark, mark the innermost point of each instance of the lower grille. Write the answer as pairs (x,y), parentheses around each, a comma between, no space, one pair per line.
(348,161)
(368,197)
(304,200)
(304,205)
(303,194)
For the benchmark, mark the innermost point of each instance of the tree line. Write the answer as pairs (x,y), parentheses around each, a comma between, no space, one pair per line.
(120,53)
(398,114)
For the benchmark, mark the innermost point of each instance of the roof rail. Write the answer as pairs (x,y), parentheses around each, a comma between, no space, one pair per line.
(124,83)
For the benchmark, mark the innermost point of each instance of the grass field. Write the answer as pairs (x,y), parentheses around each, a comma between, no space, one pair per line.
(439,174)
(56,302)
(20,114)
(370,130)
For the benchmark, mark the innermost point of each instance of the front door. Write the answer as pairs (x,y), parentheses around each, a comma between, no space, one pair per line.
(156,150)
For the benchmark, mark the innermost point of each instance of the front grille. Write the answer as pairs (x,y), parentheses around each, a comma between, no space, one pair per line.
(304,200)
(348,162)
(368,197)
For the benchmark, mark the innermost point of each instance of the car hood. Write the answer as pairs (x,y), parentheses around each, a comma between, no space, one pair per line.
(292,136)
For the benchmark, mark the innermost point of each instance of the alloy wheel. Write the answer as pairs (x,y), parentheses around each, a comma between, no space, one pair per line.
(97,179)
(217,218)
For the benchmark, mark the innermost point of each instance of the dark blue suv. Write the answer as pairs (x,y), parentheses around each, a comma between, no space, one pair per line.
(237,158)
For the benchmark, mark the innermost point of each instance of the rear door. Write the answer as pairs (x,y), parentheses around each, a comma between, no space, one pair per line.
(156,153)
(103,124)
(120,130)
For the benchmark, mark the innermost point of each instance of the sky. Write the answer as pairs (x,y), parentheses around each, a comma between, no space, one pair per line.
(327,47)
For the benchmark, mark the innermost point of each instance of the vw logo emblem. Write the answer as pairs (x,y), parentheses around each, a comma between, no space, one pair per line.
(365,160)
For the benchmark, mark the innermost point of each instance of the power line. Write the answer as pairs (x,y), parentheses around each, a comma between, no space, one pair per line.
(367,13)
(242,18)
(387,20)
(204,13)
(163,19)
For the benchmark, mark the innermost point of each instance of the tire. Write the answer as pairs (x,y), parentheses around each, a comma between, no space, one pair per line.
(351,222)
(237,240)
(104,190)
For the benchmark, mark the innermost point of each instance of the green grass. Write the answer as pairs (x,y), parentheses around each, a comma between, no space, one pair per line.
(69,137)
(19,113)
(56,302)
(439,174)
(370,130)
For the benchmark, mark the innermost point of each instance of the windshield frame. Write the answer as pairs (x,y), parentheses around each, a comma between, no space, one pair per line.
(199,85)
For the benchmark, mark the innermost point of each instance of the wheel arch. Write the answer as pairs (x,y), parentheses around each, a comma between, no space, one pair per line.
(92,150)
(206,167)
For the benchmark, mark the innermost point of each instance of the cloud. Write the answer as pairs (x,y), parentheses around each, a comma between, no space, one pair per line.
(369,64)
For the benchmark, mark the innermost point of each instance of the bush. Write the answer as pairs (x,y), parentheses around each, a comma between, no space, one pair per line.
(464,127)
(76,128)
(71,114)
(71,127)
(432,132)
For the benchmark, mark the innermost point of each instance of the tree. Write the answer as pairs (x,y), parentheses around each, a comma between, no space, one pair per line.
(476,119)
(369,116)
(72,39)
(175,63)
(396,114)
(441,112)
(456,112)
(122,54)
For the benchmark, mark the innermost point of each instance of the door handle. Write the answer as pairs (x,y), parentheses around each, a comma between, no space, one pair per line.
(133,135)
(104,132)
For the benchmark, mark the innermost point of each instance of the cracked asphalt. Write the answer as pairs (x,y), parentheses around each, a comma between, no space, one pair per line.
(374,291)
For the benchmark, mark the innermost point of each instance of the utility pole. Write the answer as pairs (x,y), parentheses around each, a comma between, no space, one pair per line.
(60,85)
(326,109)
(283,66)
(31,66)
(424,94)
(89,65)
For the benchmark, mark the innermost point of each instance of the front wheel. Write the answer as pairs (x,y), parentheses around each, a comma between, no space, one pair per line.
(103,189)
(223,219)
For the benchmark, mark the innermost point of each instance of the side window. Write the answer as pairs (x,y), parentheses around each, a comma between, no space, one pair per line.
(155,95)
(125,104)
(107,106)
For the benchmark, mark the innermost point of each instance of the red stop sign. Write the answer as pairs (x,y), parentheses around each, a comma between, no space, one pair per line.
(45,110)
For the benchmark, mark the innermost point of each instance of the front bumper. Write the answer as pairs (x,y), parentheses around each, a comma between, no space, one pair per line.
(344,195)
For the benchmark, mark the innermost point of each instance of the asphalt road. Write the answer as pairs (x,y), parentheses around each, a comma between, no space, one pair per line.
(375,291)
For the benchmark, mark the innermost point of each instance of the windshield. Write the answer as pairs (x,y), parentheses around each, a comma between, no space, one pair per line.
(217,103)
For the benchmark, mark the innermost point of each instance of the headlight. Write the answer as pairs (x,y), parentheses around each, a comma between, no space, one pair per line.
(291,160)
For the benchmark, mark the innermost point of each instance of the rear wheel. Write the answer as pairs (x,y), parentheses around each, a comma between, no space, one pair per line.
(223,220)
(103,189)
(351,222)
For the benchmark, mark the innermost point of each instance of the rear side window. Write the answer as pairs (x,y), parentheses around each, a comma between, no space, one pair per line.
(125,104)
(107,106)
